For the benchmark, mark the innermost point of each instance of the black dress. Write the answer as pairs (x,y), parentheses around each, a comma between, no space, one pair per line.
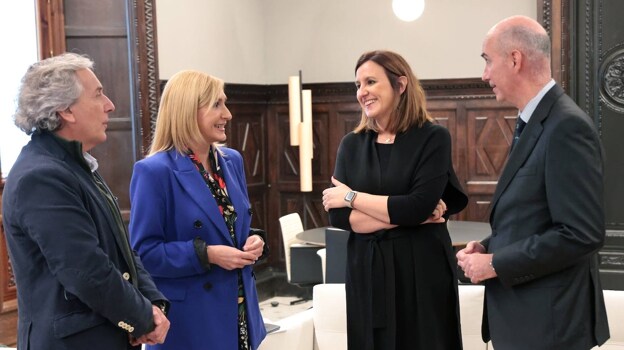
(401,283)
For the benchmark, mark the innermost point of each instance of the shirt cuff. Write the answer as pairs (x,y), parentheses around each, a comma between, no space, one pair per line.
(201,252)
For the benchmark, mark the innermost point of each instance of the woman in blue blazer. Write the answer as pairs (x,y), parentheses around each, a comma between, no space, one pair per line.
(190,221)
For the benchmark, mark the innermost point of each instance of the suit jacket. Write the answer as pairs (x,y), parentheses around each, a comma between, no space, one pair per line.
(78,285)
(547,226)
(171,206)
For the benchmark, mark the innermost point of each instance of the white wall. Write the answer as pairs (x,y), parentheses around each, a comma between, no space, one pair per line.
(265,41)
(225,38)
(19,20)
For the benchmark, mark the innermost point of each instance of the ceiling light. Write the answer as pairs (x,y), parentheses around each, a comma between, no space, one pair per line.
(408,10)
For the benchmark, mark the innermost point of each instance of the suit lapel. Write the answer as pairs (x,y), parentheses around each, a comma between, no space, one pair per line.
(195,187)
(233,188)
(120,237)
(527,142)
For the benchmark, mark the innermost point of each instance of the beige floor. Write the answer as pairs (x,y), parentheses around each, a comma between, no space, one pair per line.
(283,308)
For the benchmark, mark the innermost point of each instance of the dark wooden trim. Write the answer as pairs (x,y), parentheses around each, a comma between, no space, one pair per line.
(556,17)
(118,32)
(145,59)
(51,27)
(345,91)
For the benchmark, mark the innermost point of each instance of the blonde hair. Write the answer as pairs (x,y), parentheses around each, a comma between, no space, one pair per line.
(412,106)
(184,94)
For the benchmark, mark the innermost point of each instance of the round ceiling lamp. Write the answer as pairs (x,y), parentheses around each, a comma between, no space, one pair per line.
(408,10)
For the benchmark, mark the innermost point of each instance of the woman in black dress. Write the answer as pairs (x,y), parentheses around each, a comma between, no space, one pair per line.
(392,172)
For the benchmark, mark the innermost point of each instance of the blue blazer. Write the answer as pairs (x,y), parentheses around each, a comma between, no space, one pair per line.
(172,205)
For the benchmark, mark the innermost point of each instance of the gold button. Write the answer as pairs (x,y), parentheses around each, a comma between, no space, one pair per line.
(126,276)
(120,324)
(131,329)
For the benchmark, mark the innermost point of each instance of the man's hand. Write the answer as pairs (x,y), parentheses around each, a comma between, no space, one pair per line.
(471,248)
(158,335)
(476,264)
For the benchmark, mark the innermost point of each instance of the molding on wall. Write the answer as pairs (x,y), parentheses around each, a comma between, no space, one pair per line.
(445,89)
(145,67)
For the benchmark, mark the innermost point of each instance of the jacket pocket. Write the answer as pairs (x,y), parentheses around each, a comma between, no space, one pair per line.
(526,171)
(76,322)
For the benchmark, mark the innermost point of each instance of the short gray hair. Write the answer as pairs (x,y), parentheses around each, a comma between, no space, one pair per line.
(49,86)
(534,44)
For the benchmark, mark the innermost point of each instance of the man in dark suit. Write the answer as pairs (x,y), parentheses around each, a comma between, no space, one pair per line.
(79,285)
(539,265)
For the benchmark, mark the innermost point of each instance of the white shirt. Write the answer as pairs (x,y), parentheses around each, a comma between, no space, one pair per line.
(528,110)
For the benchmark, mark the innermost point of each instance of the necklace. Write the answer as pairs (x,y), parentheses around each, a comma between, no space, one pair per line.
(388,140)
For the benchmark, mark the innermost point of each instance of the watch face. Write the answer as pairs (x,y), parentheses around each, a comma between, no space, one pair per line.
(349,196)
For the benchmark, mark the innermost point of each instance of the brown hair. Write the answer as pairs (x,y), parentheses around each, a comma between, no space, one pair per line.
(411,109)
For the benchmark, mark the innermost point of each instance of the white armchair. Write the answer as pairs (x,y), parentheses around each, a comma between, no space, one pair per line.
(296,333)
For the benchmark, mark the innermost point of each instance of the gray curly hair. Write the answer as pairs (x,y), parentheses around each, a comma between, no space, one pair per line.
(49,86)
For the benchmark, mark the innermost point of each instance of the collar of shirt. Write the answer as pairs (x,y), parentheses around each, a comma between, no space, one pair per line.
(91,161)
(528,110)
(74,148)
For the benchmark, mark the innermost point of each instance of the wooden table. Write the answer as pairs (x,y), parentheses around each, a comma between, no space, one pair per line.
(461,232)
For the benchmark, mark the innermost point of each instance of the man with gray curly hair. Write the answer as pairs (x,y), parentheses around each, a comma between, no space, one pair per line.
(79,284)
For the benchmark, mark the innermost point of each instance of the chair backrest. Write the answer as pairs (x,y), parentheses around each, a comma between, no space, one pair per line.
(290,224)
(322,254)
(336,255)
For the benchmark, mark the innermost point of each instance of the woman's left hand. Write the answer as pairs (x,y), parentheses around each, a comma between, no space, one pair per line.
(254,245)
(333,197)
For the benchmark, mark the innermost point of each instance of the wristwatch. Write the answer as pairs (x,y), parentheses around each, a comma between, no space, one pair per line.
(350,197)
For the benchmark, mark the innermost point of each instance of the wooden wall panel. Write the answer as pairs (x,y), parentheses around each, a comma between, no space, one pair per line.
(287,156)
(596,75)
(481,132)
(247,135)
(489,135)
(479,126)
(105,40)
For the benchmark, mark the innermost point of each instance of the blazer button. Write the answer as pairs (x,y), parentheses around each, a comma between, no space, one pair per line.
(126,276)
(208,286)
(198,224)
